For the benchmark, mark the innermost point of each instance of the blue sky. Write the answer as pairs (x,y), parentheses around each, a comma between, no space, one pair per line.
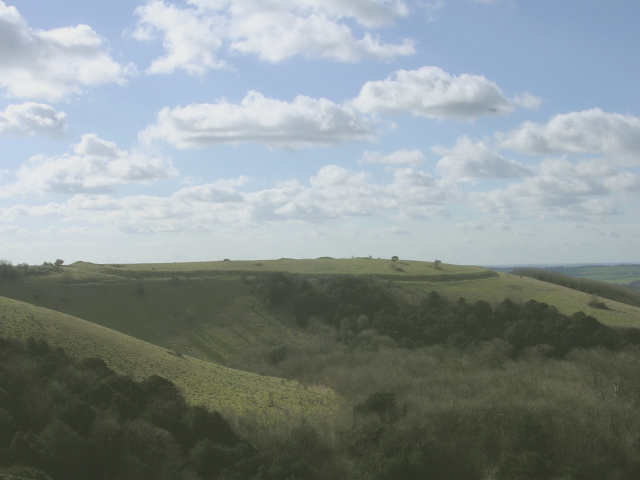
(472,131)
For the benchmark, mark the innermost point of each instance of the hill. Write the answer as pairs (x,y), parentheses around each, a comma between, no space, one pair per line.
(212,311)
(520,289)
(203,383)
(208,310)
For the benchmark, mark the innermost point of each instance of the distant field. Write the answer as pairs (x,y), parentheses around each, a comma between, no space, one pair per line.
(203,383)
(618,274)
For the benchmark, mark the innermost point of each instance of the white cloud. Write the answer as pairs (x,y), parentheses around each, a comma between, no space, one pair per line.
(588,131)
(526,100)
(303,122)
(561,189)
(94,166)
(32,119)
(195,35)
(399,157)
(52,64)
(468,161)
(433,93)
(190,40)
(334,193)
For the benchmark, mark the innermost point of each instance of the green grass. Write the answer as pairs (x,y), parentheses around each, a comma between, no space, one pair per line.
(203,383)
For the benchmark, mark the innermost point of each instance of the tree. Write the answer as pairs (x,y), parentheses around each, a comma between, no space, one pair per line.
(394,258)
(58,262)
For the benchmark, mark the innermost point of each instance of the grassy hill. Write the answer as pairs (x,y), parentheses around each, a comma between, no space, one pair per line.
(203,383)
(175,319)
(520,289)
(207,310)
(210,311)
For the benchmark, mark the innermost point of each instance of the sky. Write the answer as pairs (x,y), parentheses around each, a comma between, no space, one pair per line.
(484,132)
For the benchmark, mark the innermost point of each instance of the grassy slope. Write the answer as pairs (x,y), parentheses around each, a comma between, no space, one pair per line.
(203,309)
(208,317)
(203,383)
(521,289)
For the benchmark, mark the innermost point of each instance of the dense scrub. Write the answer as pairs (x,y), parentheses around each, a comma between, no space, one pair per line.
(62,418)
(444,413)
(593,287)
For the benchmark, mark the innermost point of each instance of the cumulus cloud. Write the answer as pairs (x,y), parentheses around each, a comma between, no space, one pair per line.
(54,63)
(334,193)
(399,157)
(562,189)
(190,40)
(197,32)
(468,161)
(95,166)
(30,118)
(590,131)
(432,92)
(303,122)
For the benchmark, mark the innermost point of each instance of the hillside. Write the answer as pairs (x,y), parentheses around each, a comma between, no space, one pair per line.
(208,310)
(203,383)
(211,311)
(520,289)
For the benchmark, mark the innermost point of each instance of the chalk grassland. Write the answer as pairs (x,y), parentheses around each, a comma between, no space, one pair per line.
(520,289)
(203,383)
